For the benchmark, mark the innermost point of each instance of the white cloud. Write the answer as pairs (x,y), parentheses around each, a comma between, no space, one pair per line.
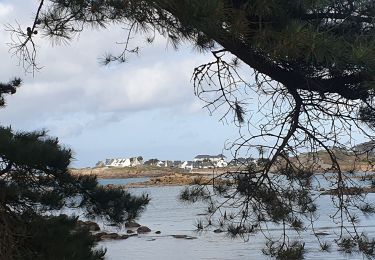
(83,102)
(5,9)
(73,82)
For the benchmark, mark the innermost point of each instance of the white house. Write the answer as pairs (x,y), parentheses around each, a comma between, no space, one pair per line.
(124,162)
(162,164)
(221,163)
(243,161)
(183,165)
(216,160)
(211,158)
(187,165)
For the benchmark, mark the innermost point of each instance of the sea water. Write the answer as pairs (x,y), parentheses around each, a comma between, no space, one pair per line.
(167,214)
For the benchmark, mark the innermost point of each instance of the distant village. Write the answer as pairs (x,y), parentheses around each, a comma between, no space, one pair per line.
(199,162)
(217,161)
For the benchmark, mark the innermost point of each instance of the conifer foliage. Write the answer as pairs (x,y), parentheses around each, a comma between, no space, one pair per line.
(35,181)
(307,86)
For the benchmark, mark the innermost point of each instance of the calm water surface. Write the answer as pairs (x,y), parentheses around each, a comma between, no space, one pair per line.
(170,216)
(121,181)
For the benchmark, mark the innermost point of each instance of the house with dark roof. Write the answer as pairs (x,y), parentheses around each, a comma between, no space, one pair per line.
(187,165)
(211,160)
(242,161)
(176,164)
(124,162)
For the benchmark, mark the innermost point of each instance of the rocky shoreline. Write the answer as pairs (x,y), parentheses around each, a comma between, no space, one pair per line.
(124,173)
(175,177)
(133,229)
(141,172)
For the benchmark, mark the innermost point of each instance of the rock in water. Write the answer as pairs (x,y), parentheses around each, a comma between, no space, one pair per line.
(143,229)
(92,226)
(184,237)
(132,225)
(179,236)
(110,236)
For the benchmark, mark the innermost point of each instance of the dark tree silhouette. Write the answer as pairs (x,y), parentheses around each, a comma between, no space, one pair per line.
(34,181)
(308,85)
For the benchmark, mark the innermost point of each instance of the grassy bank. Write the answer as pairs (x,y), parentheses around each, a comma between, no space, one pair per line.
(127,172)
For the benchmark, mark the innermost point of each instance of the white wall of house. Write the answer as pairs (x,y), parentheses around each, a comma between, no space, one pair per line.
(189,165)
(217,161)
(221,163)
(183,165)
(162,164)
(124,162)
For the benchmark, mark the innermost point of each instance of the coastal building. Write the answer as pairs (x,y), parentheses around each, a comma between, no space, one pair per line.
(162,164)
(177,164)
(187,165)
(124,162)
(199,162)
(211,158)
(210,161)
(243,161)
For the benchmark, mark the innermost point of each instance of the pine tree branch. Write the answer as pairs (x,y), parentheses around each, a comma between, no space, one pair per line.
(291,78)
(6,169)
(338,16)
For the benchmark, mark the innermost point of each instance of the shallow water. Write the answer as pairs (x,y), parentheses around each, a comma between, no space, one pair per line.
(170,216)
(121,181)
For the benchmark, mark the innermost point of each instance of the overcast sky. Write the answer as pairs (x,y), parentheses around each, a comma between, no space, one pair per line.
(143,107)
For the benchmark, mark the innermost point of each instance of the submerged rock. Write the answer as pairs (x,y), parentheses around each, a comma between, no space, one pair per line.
(184,237)
(143,229)
(110,236)
(179,236)
(132,224)
(98,236)
(90,225)
(321,234)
